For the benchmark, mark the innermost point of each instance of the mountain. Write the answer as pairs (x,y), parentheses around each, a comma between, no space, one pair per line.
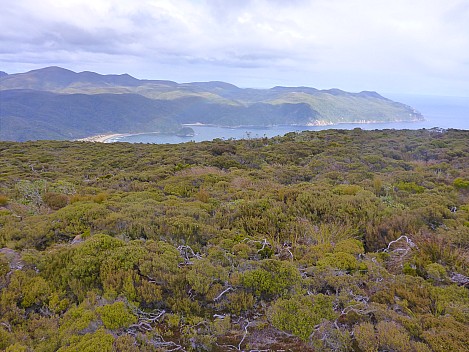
(57,78)
(3,74)
(30,114)
(60,80)
(56,103)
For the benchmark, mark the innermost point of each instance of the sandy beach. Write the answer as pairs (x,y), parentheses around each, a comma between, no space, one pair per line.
(101,138)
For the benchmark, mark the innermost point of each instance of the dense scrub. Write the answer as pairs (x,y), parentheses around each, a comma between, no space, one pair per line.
(321,241)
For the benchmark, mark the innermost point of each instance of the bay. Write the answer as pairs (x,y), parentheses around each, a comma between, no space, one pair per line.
(441,112)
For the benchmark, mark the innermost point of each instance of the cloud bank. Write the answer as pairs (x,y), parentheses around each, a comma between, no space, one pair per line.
(419,46)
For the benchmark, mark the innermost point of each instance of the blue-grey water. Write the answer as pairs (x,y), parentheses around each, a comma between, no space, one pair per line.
(443,112)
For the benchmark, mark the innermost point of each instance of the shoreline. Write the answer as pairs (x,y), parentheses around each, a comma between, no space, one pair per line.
(109,137)
(317,123)
(102,138)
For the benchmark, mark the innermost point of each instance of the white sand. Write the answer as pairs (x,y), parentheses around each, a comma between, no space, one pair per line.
(101,138)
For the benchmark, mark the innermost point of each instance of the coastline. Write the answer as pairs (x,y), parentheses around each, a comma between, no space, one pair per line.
(316,123)
(102,138)
(111,137)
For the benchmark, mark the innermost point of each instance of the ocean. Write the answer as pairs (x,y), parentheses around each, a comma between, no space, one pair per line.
(442,112)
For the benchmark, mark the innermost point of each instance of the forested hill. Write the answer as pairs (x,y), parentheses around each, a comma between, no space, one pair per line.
(55,103)
(316,241)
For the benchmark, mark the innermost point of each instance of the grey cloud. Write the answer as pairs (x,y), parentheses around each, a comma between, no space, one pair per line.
(222,10)
(347,41)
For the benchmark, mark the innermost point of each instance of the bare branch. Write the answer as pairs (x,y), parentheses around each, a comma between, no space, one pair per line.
(460,279)
(408,241)
(358,308)
(222,293)
(286,247)
(188,253)
(144,325)
(7,325)
(228,346)
(245,334)
(264,243)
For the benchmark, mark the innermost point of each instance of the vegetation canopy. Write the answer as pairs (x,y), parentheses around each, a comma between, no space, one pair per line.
(315,241)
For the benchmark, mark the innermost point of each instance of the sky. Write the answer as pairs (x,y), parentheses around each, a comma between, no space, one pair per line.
(395,46)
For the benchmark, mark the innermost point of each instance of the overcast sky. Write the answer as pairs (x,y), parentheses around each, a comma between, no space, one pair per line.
(398,46)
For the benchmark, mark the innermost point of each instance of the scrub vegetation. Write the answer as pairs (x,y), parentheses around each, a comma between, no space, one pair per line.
(316,241)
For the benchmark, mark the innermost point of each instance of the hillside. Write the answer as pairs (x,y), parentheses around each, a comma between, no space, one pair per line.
(29,115)
(317,241)
(79,104)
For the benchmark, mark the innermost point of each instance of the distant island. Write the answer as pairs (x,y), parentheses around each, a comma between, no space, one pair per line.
(185,131)
(56,103)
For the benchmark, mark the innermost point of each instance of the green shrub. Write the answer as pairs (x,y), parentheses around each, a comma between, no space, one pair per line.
(116,316)
(347,189)
(55,200)
(351,246)
(436,272)
(461,183)
(5,338)
(299,314)
(239,301)
(272,278)
(339,260)
(17,347)
(393,337)
(410,187)
(97,341)
(365,337)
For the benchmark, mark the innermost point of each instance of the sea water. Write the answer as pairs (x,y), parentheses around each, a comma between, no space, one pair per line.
(442,112)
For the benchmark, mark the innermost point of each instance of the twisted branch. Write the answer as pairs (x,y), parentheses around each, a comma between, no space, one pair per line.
(222,293)
(188,253)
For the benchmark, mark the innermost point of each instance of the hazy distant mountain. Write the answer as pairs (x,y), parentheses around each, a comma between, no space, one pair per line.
(55,103)
(57,79)
(2,74)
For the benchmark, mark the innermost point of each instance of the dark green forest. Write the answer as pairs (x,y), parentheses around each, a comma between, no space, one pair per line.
(316,241)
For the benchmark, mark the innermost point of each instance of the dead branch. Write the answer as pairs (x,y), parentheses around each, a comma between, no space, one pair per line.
(145,321)
(222,293)
(144,325)
(289,251)
(167,346)
(150,316)
(188,253)
(228,346)
(264,243)
(358,309)
(249,323)
(460,279)
(409,242)
(141,326)
(7,325)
